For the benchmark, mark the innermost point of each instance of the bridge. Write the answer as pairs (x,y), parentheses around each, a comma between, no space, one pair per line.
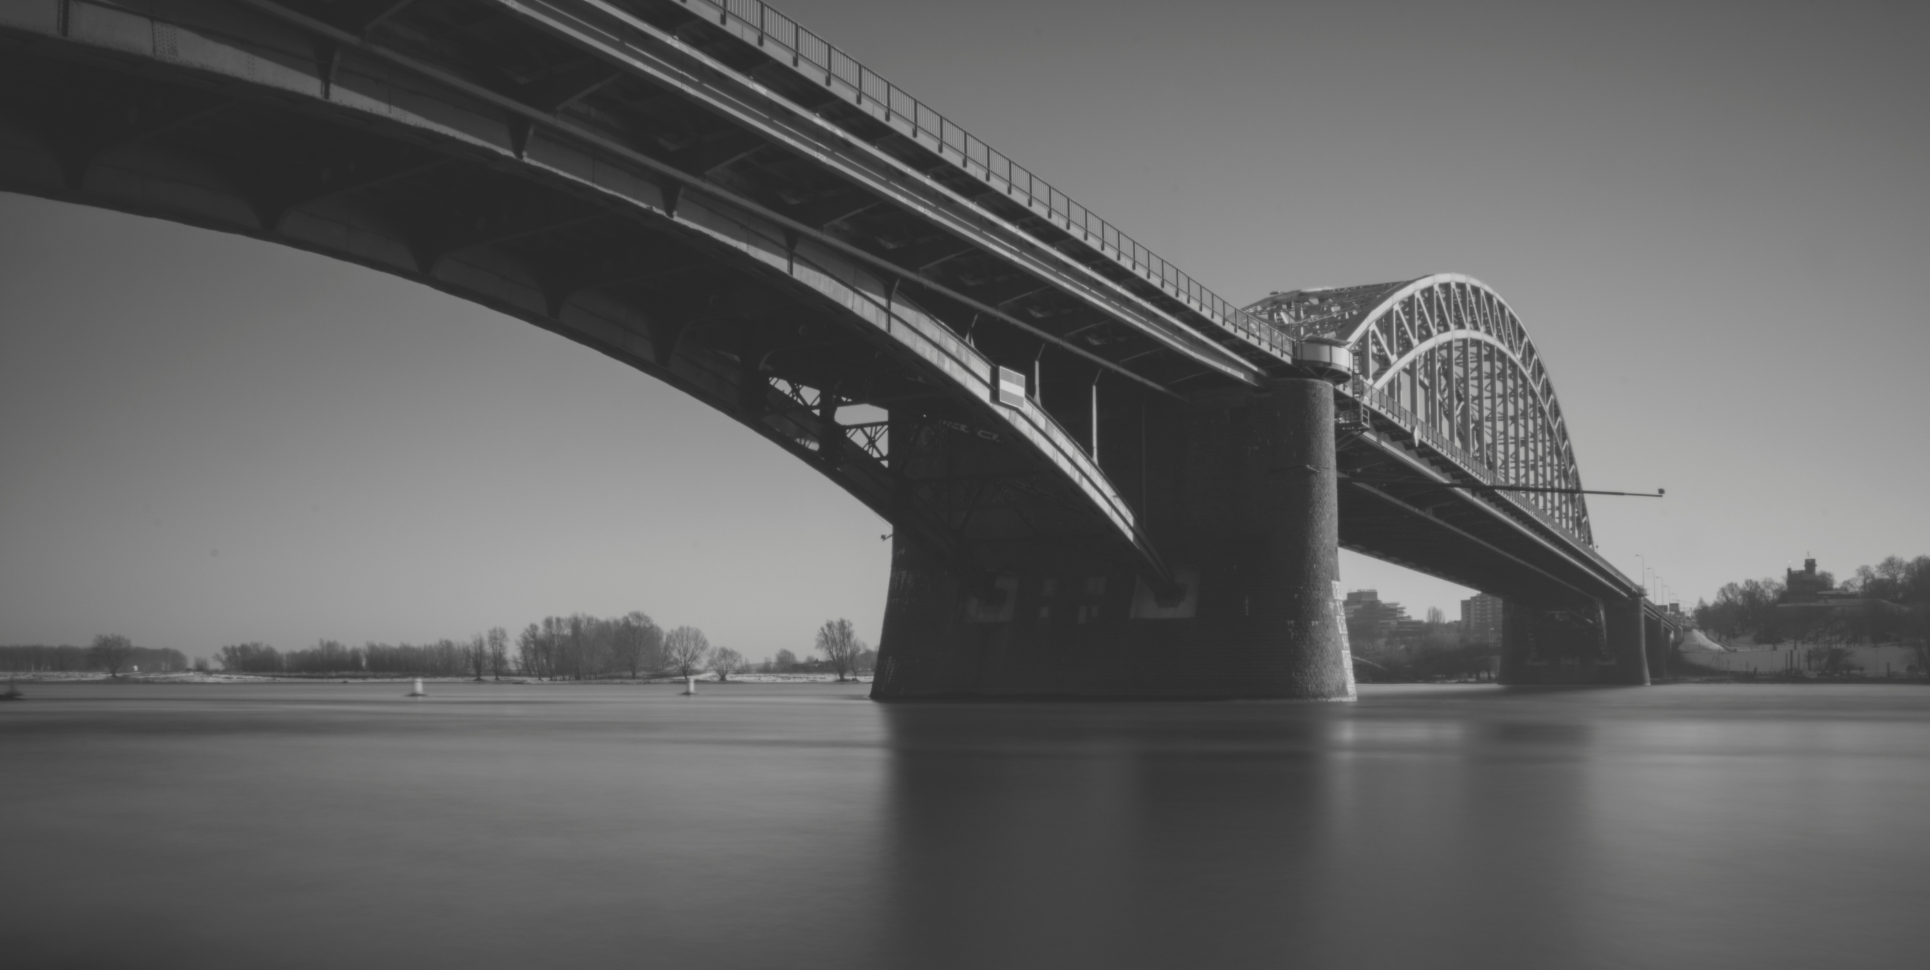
(1103,479)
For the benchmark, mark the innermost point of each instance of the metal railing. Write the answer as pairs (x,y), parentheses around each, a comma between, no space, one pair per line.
(784,40)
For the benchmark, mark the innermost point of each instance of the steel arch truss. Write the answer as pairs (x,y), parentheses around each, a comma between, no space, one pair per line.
(1446,358)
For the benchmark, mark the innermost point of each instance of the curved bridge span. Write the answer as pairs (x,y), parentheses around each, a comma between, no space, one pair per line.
(1090,460)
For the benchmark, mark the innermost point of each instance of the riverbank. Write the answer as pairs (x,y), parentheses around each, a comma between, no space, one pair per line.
(96,677)
(1854,664)
(198,677)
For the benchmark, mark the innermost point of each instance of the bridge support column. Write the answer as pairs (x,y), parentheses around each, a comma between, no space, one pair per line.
(1657,643)
(1253,504)
(1545,643)
(1518,656)
(1288,536)
(1626,641)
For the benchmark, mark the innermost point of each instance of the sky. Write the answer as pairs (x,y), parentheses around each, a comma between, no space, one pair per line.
(1712,218)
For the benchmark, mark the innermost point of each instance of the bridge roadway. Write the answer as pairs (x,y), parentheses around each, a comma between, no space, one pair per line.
(1103,479)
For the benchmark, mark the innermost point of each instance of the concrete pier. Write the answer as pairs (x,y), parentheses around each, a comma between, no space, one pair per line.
(1249,479)
(1552,644)
(1627,639)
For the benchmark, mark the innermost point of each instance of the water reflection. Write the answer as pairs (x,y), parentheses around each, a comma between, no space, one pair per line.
(1418,828)
(1237,835)
(1118,835)
(326,825)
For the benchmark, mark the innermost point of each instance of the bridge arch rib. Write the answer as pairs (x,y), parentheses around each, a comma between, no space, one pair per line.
(216,116)
(1447,356)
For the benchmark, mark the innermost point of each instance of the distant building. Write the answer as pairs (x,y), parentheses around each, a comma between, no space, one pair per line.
(1807,586)
(1409,633)
(1370,621)
(1481,618)
(1813,595)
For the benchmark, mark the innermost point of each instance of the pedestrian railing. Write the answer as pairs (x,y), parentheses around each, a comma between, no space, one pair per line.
(784,40)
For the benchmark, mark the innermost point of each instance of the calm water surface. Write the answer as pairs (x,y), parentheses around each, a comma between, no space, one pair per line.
(330,825)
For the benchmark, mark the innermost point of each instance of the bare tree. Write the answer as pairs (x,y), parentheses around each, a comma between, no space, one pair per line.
(840,645)
(531,654)
(726,661)
(498,651)
(112,652)
(478,655)
(685,649)
(578,641)
(637,643)
(555,643)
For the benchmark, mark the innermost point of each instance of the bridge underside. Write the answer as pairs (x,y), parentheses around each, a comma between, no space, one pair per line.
(1152,511)
(794,339)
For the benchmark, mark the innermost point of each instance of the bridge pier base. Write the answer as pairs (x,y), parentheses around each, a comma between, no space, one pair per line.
(1657,643)
(1518,656)
(1542,644)
(1626,640)
(1256,510)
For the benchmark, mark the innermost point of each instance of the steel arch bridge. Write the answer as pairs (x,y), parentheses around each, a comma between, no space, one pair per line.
(1446,355)
(1047,412)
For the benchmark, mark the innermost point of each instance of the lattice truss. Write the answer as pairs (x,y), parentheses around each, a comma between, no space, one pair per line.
(1446,356)
(873,438)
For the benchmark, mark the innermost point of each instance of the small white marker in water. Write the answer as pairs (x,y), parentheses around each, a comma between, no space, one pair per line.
(418,692)
(690,686)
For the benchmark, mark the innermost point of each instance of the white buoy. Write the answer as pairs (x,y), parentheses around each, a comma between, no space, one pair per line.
(418,692)
(690,686)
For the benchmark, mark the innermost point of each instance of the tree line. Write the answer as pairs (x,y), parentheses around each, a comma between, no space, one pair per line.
(111,653)
(574,647)
(443,658)
(1892,605)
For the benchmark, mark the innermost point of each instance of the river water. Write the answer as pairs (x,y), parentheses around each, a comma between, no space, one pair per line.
(331,825)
